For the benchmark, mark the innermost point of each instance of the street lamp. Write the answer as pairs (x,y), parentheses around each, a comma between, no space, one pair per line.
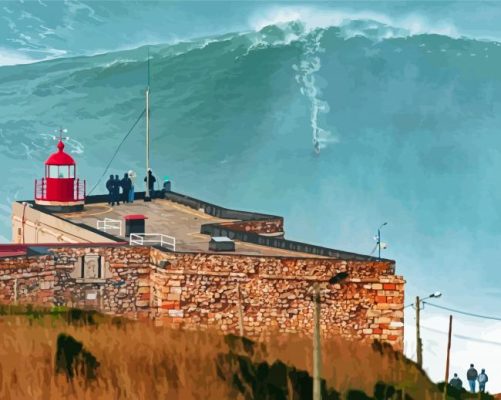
(419,343)
(317,356)
(379,239)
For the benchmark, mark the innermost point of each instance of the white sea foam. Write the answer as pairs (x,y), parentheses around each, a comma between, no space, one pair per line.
(76,7)
(75,146)
(313,17)
(10,57)
(117,62)
(306,70)
(45,31)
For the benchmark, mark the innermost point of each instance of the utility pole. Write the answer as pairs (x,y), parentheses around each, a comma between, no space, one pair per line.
(240,312)
(379,243)
(448,358)
(317,356)
(419,344)
(15,291)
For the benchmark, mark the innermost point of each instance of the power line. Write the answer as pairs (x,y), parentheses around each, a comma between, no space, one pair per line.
(118,148)
(463,337)
(463,312)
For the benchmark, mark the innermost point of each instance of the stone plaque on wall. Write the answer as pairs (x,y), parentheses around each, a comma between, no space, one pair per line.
(90,267)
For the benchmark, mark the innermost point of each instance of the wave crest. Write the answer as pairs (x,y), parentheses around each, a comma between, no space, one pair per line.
(365,21)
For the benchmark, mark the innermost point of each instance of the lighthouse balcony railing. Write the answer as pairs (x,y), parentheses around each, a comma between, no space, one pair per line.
(142,239)
(79,189)
(40,189)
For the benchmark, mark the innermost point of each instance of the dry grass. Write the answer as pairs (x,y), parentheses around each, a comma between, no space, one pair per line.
(140,361)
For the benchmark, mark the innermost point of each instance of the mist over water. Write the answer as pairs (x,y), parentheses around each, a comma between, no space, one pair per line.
(406,115)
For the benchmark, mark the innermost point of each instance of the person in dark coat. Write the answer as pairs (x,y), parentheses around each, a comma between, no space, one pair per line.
(109,186)
(117,189)
(126,184)
(151,183)
(456,383)
(472,376)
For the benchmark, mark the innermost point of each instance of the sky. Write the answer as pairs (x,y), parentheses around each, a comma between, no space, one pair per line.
(40,30)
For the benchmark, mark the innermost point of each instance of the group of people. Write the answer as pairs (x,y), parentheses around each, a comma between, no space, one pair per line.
(473,377)
(126,185)
(123,189)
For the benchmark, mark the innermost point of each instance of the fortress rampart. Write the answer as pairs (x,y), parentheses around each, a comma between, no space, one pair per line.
(212,290)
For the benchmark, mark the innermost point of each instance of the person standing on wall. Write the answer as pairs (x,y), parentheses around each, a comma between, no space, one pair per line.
(126,185)
(132,177)
(482,380)
(472,376)
(151,180)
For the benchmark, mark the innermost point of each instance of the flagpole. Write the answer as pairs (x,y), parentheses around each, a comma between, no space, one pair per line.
(147,196)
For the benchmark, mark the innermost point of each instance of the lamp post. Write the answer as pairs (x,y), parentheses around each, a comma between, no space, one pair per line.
(379,239)
(317,351)
(419,343)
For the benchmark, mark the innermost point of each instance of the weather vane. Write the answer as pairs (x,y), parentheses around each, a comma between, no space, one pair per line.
(60,131)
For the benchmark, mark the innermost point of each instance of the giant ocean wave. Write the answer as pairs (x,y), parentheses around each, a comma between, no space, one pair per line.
(238,106)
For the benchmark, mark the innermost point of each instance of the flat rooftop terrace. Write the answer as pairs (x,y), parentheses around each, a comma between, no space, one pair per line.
(173,219)
(192,222)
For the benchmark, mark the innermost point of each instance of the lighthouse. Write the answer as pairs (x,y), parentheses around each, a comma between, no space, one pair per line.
(60,190)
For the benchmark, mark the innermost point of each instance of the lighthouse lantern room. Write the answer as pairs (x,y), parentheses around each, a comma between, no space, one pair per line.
(60,189)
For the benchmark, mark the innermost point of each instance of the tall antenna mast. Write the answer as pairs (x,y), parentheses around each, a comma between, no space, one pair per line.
(147,196)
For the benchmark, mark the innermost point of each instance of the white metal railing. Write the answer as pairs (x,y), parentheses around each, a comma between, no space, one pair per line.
(153,238)
(110,224)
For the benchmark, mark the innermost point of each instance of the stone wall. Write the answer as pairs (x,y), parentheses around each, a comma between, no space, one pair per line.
(30,280)
(266,226)
(202,290)
(122,289)
(212,290)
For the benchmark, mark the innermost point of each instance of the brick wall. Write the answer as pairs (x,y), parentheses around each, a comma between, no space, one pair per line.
(202,290)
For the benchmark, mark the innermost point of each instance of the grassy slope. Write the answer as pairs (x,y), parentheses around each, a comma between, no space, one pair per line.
(138,360)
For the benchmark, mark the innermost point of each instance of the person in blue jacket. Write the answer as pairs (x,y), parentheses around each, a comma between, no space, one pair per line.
(482,380)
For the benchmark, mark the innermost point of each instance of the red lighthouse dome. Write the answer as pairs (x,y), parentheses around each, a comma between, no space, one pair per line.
(60,157)
(60,189)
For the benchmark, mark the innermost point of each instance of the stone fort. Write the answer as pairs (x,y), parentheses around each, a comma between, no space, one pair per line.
(174,272)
